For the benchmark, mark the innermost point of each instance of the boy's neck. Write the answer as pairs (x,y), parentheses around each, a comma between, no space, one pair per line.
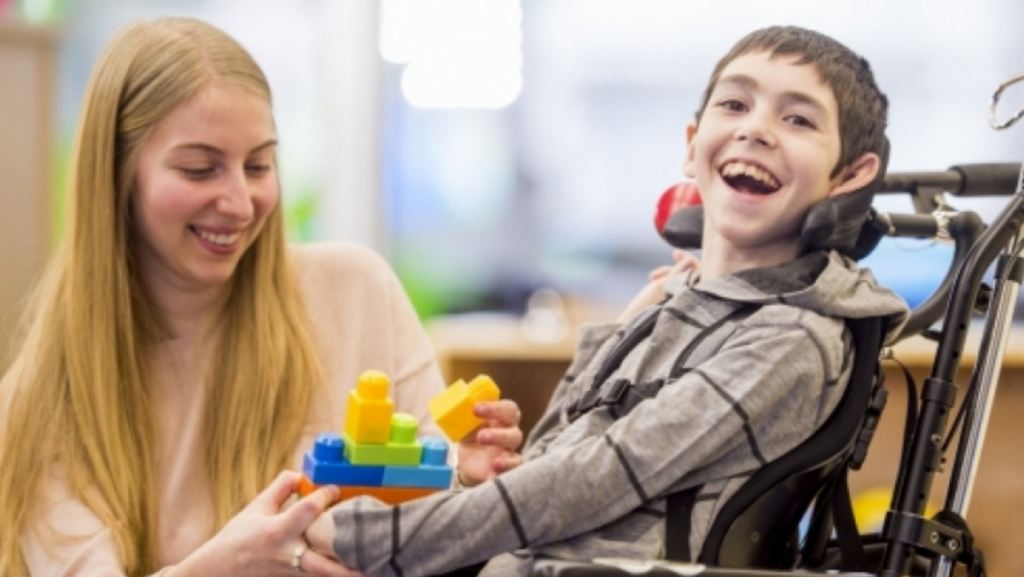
(721,258)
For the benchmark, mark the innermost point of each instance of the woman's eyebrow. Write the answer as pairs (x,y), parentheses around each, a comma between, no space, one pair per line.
(210,149)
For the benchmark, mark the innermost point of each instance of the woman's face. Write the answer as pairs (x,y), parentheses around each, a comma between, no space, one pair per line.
(206,181)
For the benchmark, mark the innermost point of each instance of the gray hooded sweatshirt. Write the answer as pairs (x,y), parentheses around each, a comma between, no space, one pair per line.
(595,486)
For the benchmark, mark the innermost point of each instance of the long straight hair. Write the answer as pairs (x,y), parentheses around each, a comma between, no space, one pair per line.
(77,399)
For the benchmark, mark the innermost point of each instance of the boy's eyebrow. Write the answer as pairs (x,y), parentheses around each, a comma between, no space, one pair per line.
(748,82)
(218,152)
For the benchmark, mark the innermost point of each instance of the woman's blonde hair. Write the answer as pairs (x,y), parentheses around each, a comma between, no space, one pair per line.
(79,401)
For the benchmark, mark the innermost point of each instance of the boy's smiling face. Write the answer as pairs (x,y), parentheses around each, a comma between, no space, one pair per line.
(762,154)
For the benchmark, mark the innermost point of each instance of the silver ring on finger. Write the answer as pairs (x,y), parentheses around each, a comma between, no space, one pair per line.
(297,557)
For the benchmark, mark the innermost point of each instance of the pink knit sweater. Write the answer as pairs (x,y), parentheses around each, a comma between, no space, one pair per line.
(363,320)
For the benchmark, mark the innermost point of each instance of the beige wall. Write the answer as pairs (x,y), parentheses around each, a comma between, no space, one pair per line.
(27,71)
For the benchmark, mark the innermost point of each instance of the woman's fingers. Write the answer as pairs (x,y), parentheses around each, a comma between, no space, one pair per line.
(300,515)
(684,260)
(277,492)
(660,272)
(318,565)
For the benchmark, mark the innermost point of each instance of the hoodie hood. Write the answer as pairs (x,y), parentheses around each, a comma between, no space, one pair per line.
(827,283)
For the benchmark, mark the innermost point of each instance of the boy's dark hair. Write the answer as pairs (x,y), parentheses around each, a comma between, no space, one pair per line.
(863,108)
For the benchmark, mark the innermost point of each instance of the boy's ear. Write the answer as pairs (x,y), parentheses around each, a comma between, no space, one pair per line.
(688,168)
(857,175)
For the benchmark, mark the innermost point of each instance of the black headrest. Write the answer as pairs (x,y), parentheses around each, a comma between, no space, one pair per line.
(843,223)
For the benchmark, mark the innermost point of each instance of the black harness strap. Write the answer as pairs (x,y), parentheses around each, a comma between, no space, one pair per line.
(623,396)
(620,394)
(678,515)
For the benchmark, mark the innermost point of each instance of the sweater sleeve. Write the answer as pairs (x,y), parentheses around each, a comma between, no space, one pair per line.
(594,338)
(685,436)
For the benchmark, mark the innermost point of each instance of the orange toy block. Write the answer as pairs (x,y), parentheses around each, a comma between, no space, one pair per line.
(369,411)
(389,495)
(453,408)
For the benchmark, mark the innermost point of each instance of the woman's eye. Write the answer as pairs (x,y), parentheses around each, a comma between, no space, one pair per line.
(197,173)
(257,169)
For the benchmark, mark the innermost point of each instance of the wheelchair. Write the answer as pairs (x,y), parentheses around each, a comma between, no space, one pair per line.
(757,533)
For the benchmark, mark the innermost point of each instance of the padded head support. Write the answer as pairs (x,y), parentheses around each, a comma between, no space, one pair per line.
(843,223)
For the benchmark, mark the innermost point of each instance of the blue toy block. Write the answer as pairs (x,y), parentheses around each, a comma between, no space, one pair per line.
(424,476)
(435,451)
(433,471)
(325,464)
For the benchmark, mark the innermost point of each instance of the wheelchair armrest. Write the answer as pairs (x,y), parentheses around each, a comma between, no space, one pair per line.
(551,568)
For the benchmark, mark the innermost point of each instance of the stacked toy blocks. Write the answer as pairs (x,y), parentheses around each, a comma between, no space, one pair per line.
(377,454)
(453,408)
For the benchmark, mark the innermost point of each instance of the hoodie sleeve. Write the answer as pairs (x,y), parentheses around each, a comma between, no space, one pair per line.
(750,401)
(594,339)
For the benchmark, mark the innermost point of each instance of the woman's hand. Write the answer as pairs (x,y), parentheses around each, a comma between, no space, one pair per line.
(653,293)
(267,537)
(491,449)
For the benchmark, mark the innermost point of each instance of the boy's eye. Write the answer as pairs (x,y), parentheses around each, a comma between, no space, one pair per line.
(732,105)
(798,120)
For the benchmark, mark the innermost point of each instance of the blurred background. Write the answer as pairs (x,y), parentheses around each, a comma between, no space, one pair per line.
(506,157)
(493,148)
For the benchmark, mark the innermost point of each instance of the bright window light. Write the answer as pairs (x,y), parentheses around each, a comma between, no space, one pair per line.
(458,53)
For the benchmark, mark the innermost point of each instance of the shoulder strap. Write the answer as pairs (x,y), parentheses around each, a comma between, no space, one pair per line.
(709,341)
(620,393)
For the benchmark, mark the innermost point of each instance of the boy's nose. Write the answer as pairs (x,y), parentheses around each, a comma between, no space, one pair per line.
(756,130)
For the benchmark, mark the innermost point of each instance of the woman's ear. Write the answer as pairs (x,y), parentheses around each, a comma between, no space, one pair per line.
(857,175)
(688,168)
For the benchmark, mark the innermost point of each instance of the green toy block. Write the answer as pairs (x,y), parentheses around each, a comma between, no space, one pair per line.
(388,454)
(403,429)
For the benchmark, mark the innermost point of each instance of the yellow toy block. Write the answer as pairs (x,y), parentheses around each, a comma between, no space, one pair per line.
(369,411)
(453,408)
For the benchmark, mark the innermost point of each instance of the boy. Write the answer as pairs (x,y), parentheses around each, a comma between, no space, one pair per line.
(789,118)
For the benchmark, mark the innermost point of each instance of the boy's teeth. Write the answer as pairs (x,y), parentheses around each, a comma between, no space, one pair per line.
(741,168)
(220,239)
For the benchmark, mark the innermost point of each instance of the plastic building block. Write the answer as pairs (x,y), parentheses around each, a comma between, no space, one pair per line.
(326,465)
(369,411)
(389,495)
(401,449)
(433,470)
(378,454)
(453,408)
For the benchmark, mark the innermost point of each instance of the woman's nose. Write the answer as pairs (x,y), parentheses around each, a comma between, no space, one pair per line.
(236,198)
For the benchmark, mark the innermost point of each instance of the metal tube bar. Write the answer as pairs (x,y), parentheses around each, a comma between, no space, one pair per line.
(986,379)
(925,451)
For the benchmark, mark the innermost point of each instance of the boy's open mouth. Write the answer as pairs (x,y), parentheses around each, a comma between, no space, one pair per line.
(749,178)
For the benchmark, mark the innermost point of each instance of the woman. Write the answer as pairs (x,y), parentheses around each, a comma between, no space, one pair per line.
(178,355)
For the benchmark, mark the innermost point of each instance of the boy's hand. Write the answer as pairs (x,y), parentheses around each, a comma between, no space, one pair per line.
(491,449)
(652,293)
(320,535)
